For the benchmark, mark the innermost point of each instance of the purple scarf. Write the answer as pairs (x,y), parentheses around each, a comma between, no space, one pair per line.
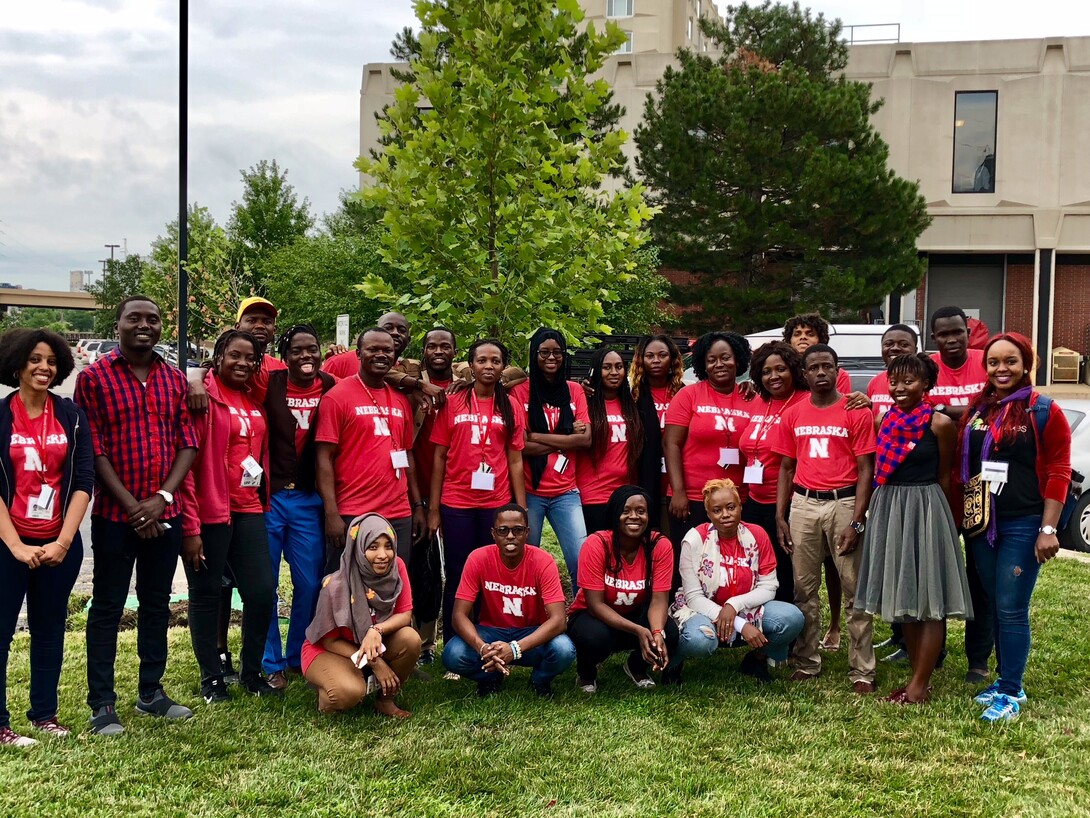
(1022,394)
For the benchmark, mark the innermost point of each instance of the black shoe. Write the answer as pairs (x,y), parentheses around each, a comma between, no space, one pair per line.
(671,676)
(214,690)
(427,657)
(755,666)
(104,721)
(259,686)
(542,689)
(230,675)
(488,687)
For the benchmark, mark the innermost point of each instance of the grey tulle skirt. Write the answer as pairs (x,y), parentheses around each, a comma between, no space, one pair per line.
(912,566)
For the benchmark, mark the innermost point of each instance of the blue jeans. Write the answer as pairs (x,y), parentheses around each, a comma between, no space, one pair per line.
(565,514)
(295,525)
(1008,573)
(548,661)
(46,591)
(782,622)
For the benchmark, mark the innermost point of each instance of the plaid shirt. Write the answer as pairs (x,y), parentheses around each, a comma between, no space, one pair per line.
(138,428)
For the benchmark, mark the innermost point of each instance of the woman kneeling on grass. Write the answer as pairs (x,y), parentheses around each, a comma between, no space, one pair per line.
(622,605)
(361,637)
(728,585)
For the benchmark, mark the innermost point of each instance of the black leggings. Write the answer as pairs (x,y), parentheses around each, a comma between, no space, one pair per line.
(596,641)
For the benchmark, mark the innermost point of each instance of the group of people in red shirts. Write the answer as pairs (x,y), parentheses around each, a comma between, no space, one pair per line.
(689,517)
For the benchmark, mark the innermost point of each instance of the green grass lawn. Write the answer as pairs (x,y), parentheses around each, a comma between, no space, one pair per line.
(721,746)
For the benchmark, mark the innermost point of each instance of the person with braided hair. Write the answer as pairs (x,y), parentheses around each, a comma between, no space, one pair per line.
(294,521)
(225,499)
(656,374)
(616,430)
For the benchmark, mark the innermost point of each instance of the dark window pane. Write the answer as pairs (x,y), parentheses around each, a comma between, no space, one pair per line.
(974,141)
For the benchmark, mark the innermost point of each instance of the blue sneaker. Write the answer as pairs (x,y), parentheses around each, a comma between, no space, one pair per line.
(1002,708)
(986,696)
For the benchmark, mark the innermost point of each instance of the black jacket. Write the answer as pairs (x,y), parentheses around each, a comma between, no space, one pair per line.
(285,466)
(79,464)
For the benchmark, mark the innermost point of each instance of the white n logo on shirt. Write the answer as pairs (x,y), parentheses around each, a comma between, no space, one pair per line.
(512,605)
(476,435)
(382,427)
(723,424)
(245,428)
(625,600)
(819,448)
(33,459)
(302,418)
(619,434)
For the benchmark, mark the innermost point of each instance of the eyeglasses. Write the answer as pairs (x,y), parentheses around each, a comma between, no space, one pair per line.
(517,530)
(545,354)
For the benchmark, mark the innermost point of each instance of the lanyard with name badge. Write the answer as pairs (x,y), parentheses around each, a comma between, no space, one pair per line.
(251,469)
(755,472)
(399,458)
(39,507)
(996,472)
(484,479)
(728,455)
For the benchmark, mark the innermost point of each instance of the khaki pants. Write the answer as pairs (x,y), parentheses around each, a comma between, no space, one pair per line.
(428,631)
(815,527)
(341,685)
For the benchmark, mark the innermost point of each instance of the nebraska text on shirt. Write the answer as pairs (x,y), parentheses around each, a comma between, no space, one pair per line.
(962,390)
(721,410)
(251,413)
(469,417)
(366,411)
(303,403)
(50,440)
(625,584)
(510,590)
(823,431)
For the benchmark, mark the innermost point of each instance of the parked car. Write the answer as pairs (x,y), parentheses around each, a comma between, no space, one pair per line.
(1077,534)
(82,347)
(99,349)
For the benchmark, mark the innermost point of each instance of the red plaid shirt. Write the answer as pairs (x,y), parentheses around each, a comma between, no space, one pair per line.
(139,429)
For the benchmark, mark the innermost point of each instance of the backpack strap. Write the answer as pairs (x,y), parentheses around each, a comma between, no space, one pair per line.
(1041,409)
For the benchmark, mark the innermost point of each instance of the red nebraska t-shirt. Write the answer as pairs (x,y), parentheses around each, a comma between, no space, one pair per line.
(662,398)
(825,443)
(956,387)
(302,403)
(597,481)
(475,434)
(626,590)
(367,425)
(259,382)
(247,439)
(844,382)
(38,450)
(342,365)
(511,597)
(715,422)
(757,441)
(404,603)
(735,575)
(423,448)
(878,392)
(553,483)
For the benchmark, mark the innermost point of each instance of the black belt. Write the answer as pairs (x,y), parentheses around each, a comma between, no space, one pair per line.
(835,494)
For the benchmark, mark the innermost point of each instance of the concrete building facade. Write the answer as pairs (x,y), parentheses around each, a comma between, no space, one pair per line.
(997,133)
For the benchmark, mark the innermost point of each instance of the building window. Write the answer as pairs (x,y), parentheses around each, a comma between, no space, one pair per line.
(697,8)
(626,46)
(974,141)
(619,8)
(690,28)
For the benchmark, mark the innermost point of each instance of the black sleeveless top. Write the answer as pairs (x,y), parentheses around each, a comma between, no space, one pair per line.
(921,466)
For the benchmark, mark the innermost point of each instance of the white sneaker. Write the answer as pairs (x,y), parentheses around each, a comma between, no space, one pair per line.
(590,688)
(9,738)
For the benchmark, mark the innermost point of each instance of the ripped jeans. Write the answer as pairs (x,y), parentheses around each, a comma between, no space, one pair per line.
(780,624)
(1008,573)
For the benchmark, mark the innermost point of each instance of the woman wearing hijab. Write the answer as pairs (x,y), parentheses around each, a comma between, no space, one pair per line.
(626,572)
(911,571)
(362,638)
(557,430)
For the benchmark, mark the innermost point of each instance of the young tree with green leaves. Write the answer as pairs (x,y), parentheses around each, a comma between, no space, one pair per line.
(123,277)
(774,186)
(489,200)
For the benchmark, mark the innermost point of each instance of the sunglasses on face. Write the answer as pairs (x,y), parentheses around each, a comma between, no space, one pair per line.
(505,530)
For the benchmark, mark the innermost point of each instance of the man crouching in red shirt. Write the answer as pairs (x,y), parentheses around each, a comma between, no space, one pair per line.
(522,618)
(825,479)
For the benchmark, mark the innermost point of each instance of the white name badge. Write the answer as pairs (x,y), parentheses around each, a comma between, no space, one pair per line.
(561,464)
(662,468)
(41,507)
(729,457)
(755,473)
(251,473)
(483,481)
(400,459)
(994,472)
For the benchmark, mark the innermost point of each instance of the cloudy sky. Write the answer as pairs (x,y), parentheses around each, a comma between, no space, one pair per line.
(89,105)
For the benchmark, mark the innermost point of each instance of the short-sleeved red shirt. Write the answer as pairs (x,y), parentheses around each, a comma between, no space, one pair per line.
(825,443)
(553,483)
(38,449)
(511,597)
(715,422)
(956,387)
(597,481)
(878,392)
(626,590)
(757,440)
(247,439)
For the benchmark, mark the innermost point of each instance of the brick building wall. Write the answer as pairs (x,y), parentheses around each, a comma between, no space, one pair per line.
(1071,318)
(1018,308)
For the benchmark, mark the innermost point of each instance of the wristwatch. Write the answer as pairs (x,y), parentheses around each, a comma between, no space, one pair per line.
(940,407)
(166,495)
(858,528)
(1050,530)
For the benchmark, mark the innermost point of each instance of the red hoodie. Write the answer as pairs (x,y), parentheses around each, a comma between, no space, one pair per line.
(205,491)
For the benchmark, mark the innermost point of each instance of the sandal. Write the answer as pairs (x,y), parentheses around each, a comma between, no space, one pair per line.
(644,683)
(827,645)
